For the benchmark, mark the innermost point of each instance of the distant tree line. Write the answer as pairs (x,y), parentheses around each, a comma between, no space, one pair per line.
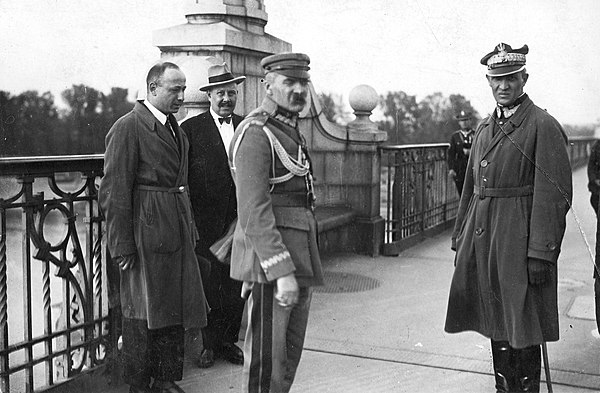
(408,121)
(32,125)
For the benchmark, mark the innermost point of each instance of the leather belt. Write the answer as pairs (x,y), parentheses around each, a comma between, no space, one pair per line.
(508,192)
(289,200)
(172,190)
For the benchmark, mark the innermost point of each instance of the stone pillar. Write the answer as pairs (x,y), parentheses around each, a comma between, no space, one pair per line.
(230,30)
(347,164)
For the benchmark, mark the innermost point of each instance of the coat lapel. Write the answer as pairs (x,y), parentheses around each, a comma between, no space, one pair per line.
(510,126)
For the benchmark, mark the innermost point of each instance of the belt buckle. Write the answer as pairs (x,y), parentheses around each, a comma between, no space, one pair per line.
(482,192)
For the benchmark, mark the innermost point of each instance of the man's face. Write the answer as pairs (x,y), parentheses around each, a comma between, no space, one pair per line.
(289,93)
(464,124)
(166,94)
(506,89)
(223,98)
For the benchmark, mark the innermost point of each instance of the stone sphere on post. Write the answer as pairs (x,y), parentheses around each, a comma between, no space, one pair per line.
(363,99)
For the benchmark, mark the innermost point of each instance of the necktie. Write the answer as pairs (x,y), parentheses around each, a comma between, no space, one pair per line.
(225,119)
(168,125)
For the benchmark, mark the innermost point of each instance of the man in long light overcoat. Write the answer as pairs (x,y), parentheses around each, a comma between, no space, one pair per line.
(510,226)
(151,234)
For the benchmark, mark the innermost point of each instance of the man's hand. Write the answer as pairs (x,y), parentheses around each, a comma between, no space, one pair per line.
(127,261)
(452,174)
(538,271)
(287,290)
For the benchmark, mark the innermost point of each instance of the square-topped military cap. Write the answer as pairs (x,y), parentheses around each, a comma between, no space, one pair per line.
(504,60)
(294,65)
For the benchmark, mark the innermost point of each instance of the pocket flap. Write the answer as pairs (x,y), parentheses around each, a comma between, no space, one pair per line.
(292,217)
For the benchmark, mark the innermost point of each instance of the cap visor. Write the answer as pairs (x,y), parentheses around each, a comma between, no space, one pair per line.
(503,71)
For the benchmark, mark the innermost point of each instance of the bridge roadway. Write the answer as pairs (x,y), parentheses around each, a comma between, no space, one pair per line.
(390,338)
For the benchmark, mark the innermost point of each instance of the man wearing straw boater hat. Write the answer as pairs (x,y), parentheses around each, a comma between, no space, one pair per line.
(212,192)
(275,249)
(510,226)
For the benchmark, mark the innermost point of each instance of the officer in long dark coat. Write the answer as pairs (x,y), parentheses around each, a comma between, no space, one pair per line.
(510,226)
(275,249)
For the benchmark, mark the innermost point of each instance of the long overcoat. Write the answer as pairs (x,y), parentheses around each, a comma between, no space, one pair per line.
(513,206)
(145,200)
(276,232)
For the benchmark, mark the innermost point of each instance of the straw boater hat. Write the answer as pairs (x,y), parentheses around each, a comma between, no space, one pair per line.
(218,74)
(504,60)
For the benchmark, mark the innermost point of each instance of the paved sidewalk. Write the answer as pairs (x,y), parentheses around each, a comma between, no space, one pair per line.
(387,336)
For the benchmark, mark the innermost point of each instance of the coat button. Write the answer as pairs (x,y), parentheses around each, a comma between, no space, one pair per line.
(181,188)
(484,163)
(478,231)
(552,246)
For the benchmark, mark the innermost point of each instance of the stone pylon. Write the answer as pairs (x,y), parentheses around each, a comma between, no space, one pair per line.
(232,31)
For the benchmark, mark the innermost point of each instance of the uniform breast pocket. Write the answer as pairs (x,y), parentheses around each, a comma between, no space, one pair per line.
(158,228)
(296,226)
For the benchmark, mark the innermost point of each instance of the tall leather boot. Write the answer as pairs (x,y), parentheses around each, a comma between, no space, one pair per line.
(504,372)
(528,363)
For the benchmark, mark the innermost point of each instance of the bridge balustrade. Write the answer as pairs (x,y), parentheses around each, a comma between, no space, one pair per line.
(54,319)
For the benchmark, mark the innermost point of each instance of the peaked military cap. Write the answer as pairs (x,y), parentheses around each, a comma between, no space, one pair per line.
(504,60)
(463,115)
(294,65)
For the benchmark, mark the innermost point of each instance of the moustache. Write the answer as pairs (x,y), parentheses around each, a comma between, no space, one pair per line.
(298,99)
(226,105)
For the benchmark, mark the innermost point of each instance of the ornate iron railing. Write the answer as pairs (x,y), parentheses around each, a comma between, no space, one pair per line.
(419,199)
(52,263)
(417,195)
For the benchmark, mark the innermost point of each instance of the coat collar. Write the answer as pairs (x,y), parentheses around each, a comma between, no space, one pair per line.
(509,126)
(152,123)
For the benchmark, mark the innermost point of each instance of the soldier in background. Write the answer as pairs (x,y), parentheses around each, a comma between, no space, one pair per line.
(593,170)
(460,147)
(275,249)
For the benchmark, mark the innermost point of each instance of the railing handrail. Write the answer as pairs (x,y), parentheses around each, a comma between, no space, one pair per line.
(36,165)
(413,146)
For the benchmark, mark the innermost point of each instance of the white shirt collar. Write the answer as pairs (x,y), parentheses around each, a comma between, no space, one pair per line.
(161,117)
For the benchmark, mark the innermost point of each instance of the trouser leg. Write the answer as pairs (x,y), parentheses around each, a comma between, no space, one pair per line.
(528,362)
(274,341)
(504,372)
(135,352)
(296,333)
(166,353)
(597,297)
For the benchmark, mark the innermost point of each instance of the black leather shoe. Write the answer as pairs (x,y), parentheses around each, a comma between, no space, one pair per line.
(166,387)
(207,358)
(232,353)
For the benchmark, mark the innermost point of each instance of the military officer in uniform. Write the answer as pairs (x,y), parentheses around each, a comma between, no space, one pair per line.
(509,227)
(274,248)
(460,147)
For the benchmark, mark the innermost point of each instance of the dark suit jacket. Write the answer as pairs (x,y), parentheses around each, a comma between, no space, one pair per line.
(211,186)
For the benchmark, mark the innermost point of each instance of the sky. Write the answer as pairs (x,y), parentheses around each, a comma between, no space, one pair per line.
(417,46)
